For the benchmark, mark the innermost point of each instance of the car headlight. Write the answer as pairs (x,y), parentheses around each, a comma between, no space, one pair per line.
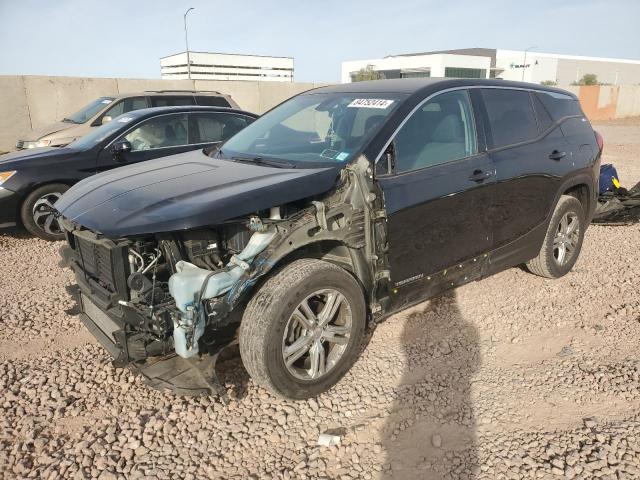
(4,176)
(36,144)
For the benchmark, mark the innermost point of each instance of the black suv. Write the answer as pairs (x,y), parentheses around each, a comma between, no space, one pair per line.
(339,207)
(31,181)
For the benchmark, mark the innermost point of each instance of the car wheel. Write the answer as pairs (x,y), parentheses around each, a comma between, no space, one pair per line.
(563,240)
(37,211)
(303,328)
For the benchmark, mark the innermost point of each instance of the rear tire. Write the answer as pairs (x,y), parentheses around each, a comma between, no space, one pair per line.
(36,211)
(563,241)
(276,320)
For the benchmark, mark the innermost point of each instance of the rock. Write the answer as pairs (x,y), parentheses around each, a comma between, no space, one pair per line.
(436,440)
(328,440)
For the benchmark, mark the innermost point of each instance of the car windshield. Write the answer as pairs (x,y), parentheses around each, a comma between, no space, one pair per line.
(101,133)
(324,128)
(88,111)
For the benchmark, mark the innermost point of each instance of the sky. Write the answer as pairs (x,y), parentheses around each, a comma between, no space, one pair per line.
(120,38)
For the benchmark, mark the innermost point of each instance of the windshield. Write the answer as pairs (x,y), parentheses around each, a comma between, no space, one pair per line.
(314,128)
(87,112)
(99,134)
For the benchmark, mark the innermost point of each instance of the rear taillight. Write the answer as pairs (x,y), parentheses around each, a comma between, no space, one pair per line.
(600,140)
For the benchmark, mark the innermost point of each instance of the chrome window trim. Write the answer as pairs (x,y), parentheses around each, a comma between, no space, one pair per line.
(468,87)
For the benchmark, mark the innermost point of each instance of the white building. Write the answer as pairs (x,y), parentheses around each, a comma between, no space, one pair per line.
(225,66)
(528,66)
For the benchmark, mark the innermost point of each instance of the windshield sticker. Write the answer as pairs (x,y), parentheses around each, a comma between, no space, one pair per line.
(124,119)
(328,153)
(370,103)
(342,156)
(106,100)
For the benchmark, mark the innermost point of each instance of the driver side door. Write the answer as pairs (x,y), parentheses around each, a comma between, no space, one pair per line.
(154,137)
(437,200)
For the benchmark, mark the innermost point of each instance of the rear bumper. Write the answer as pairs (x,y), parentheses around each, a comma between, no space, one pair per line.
(9,201)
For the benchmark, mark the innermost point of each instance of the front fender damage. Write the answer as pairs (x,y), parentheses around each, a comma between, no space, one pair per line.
(347,216)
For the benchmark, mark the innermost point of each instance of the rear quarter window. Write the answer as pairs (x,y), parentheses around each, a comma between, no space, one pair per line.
(212,101)
(559,105)
(511,117)
(578,131)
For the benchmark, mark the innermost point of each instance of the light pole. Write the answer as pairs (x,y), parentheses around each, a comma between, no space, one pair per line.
(186,41)
(524,64)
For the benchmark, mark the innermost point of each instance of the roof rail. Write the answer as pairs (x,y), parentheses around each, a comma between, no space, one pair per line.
(183,91)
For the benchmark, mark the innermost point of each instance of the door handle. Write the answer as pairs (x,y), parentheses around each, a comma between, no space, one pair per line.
(479,176)
(557,155)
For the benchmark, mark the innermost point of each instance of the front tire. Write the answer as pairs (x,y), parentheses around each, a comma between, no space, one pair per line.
(563,241)
(303,328)
(37,215)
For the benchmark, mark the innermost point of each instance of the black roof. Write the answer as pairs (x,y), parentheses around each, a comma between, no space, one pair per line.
(412,86)
(149,112)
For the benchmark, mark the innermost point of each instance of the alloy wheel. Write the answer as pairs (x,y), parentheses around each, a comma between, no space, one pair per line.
(317,334)
(43,213)
(566,238)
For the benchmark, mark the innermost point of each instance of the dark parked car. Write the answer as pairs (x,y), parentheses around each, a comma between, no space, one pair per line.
(32,181)
(339,207)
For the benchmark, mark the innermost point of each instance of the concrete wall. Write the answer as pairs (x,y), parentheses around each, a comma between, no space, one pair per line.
(605,102)
(31,102)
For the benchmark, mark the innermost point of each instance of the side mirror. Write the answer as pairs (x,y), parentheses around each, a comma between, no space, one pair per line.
(106,119)
(120,147)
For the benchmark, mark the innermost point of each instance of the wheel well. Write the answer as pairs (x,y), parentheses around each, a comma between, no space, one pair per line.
(581,192)
(327,250)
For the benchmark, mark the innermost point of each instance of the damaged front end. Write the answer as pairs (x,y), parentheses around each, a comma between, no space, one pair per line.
(167,304)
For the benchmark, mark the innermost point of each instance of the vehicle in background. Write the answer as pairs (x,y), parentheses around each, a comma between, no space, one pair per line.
(31,181)
(104,109)
(341,206)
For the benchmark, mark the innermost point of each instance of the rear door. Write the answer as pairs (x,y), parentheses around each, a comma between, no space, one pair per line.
(530,155)
(437,199)
(154,137)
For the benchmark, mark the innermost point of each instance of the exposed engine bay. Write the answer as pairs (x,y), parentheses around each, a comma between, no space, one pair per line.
(176,293)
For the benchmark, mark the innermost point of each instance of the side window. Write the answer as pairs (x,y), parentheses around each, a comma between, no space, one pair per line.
(116,109)
(159,132)
(559,105)
(544,119)
(440,131)
(212,101)
(215,127)
(135,103)
(577,130)
(511,116)
(168,101)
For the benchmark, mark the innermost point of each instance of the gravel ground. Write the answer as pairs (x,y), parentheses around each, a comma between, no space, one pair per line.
(511,377)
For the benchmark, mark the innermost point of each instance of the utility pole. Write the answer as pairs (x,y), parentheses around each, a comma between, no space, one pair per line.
(524,64)
(186,42)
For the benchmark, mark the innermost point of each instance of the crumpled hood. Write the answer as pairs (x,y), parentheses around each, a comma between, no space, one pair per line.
(50,129)
(185,191)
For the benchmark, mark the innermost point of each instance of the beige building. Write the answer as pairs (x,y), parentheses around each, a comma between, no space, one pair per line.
(226,66)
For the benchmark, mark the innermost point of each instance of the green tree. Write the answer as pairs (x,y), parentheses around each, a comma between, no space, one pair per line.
(367,73)
(550,83)
(587,79)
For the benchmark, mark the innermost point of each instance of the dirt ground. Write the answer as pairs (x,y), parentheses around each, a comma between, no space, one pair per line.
(511,377)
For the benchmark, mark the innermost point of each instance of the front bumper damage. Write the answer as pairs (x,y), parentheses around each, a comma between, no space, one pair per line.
(204,299)
(168,372)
